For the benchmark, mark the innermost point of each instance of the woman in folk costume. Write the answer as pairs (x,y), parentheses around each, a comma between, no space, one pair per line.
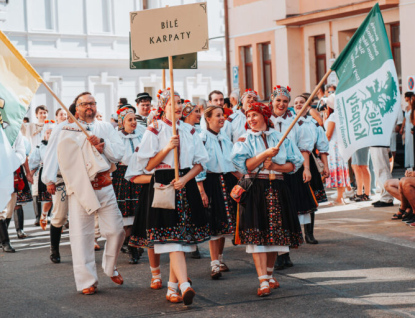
(235,124)
(303,198)
(268,224)
(127,192)
(191,116)
(191,119)
(36,166)
(216,182)
(182,223)
(320,143)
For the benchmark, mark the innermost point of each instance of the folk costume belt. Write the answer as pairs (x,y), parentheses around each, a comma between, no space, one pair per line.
(102,180)
(264,176)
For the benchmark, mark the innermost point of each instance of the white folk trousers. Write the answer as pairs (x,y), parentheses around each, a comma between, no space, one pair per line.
(8,211)
(381,167)
(60,205)
(81,234)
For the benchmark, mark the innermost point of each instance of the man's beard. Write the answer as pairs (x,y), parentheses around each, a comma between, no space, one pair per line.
(90,114)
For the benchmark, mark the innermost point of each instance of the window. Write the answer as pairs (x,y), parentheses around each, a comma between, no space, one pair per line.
(266,69)
(99,16)
(150,91)
(41,15)
(396,50)
(248,68)
(320,49)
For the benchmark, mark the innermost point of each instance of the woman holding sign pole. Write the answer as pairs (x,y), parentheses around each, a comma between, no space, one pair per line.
(176,219)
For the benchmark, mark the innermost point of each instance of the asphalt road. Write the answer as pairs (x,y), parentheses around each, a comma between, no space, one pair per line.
(363,267)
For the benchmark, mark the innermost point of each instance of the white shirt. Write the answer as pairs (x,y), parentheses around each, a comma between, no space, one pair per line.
(20,148)
(235,125)
(156,137)
(37,156)
(131,143)
(34,132)
(51,165)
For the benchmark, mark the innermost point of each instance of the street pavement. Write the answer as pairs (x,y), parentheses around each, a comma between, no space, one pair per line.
(362,267)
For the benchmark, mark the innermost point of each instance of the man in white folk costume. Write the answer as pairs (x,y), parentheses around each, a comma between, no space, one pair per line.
(85,168)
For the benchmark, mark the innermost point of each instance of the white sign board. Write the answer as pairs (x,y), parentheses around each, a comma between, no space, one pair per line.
(169,31)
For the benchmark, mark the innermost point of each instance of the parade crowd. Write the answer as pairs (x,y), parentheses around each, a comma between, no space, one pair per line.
(118,181)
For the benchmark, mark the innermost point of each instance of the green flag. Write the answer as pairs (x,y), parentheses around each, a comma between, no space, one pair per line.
(367,96)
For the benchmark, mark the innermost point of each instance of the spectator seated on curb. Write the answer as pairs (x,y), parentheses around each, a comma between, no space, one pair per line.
(403,190)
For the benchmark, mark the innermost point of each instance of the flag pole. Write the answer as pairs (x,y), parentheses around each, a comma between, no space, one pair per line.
(64,107)
(308,102)
(173,120)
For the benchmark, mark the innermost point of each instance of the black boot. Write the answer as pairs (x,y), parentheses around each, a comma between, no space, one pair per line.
(140,251)
(55,238)
(4,237)
(287,260)
(195,254)
(37,207)
(134,256)
(19,222)
(124,247)
(8,223)
(309,231)
(279,263)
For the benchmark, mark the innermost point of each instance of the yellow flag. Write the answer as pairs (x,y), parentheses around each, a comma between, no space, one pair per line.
(18,84)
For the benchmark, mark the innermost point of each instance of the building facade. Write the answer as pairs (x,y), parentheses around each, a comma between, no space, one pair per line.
(294,42)
(83,45)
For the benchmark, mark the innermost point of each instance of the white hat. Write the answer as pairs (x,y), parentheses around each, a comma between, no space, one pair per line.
(330,100)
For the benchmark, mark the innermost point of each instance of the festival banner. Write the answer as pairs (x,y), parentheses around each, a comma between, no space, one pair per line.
(18,84)
(367,96)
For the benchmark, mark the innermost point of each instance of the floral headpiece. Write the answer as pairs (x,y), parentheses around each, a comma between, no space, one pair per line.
(280,90)
(164,97)
(188,108)
(122,113)
(262,109)
(49,124)
(249,92)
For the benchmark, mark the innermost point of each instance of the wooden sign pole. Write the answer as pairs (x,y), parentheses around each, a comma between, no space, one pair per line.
(173,120)
(163,78)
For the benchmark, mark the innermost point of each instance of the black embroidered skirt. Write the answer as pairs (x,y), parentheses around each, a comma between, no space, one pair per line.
(316,183)
(24,195)
(268,218)
(187,224)
(43,194)
(138,236)
(127,192)
(222,209)
(302,195)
